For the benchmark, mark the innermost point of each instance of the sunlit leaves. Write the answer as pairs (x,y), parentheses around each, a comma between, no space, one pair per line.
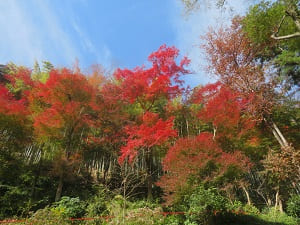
(150,89)
(162,79)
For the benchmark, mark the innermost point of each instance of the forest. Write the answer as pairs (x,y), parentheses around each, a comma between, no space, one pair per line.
(139,146)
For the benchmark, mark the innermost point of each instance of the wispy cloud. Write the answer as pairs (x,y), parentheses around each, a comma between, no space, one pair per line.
(85,41)
(27,35)
(59,39)
(102,55)
(18,39)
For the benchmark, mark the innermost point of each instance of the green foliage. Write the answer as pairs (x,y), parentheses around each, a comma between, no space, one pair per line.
(203,204)
(69,207)
(47,67)
(172,220)
(251,209)
(43,75)
(261,19)
(142,216)
(48,216)
(293,206)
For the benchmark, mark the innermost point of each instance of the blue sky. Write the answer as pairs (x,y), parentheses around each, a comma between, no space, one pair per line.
(114,33)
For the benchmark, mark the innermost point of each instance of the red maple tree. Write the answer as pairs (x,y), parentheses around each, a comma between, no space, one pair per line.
(146,87)
(191,159)
(64,109)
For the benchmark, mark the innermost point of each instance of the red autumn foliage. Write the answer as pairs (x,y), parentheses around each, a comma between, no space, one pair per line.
(66,100)
(189,156)
(145,87)
(153,131)
(224,108)
(162,79)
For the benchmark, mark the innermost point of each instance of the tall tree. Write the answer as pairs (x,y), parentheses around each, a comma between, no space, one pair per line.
(150,89)
(232,58)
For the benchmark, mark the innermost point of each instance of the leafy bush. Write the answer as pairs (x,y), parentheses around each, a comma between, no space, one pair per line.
(236,206)
(293,206)
(172,220)
(203,205)
(69,207)
(251,209)
(47,216)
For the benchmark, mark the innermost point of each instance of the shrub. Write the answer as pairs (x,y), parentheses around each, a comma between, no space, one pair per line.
(203,205)
(172,220)
(47,216)
(293,206)
(251,209)
(69,207)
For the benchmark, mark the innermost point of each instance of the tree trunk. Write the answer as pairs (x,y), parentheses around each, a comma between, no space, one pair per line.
(277,199)
(282,139)
(149,187)
(149,178)
(278,202)
(247,195)
(277,133)
(280,205)
(59,187)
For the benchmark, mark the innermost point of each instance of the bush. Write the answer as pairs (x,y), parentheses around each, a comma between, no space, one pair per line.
(236,206)
(293,206)
(203,205)
(172,220)
(47,216)
(251,209)
(69,207)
